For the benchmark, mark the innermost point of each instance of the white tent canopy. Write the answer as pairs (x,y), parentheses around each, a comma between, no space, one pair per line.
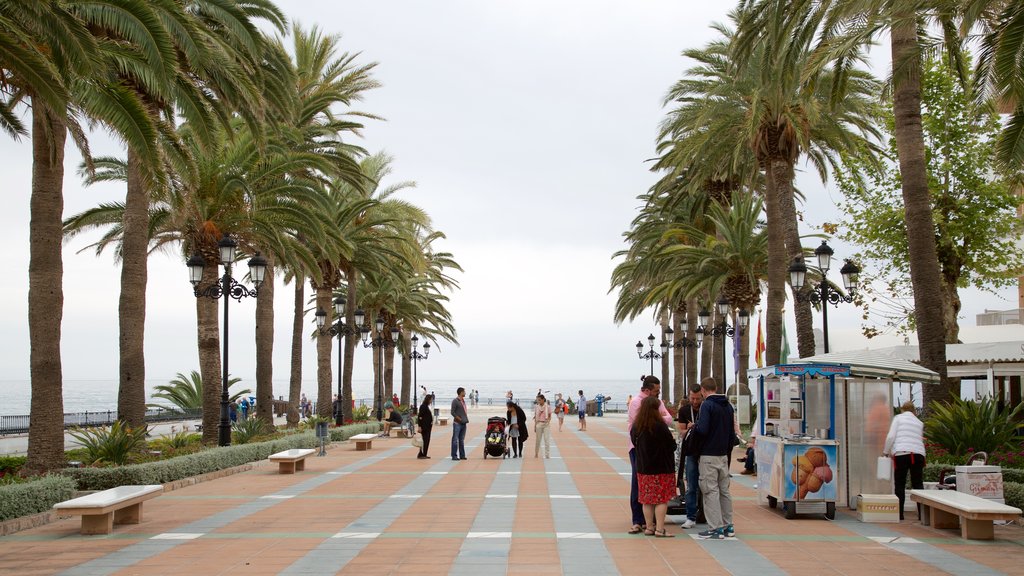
(874,363)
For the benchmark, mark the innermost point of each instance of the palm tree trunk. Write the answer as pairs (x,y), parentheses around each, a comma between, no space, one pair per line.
(265,346)
(351,340)
(131,397)
(208,335)
(46,293)
(678,390)
(665,391)
(389,372)
(707,353)
(801,309)
(406,368)
(323,355)
(777,264)
(691,358)
(295,374)
(917,206)
(719,346)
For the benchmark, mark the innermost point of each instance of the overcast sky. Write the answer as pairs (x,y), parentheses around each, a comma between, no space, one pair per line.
(526,125)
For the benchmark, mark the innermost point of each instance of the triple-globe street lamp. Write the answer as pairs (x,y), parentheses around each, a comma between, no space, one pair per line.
(338,329)
(416,356)
(226,286)
(651,354)
(382,343)
(823,292)
(722,329)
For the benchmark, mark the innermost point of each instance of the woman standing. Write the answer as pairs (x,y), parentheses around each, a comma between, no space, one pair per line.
(560,410)
(517,434)
(905,443)
(541,425)
(655,464)
(425,420)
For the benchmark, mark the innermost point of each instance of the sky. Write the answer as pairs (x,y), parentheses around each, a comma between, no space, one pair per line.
(527,126)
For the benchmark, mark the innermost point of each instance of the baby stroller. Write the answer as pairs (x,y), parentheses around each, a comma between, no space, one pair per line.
(494,438)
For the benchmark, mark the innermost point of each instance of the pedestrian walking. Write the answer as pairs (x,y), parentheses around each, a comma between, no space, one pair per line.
(560,409)
(581,410)
(517,430)
(460,418)
(425,421)
(715,429)
(541,426)
(905,443)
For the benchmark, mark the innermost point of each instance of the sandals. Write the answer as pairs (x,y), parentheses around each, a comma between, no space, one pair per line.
(649,532)
(663,534)
(636,529)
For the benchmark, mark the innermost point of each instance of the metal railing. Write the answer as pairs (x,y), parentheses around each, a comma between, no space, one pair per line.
(19,424)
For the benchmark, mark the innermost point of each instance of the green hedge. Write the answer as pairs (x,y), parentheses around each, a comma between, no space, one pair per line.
(1013,493)
(203,462)
(33,497)
(931,473)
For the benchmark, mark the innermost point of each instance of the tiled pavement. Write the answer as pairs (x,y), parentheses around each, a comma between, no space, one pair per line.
(385,512)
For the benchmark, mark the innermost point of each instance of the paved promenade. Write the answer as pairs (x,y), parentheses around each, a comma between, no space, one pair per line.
(385,512)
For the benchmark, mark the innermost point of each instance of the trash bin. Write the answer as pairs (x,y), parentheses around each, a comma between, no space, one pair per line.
(437,412)
(321,430)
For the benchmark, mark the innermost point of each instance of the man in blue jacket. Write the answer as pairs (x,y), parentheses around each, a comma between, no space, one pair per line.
(715,429)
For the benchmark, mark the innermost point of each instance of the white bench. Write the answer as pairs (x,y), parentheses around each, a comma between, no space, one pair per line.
(292,461)
(363,441)
(951,509)
(442,421)
(101,510)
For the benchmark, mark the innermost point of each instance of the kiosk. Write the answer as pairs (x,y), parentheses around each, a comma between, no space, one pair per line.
(821,425)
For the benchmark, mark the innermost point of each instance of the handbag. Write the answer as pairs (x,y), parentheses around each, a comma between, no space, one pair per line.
(884,471)
(417,440)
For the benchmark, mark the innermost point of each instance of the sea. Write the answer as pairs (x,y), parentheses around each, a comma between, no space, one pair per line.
(101,395)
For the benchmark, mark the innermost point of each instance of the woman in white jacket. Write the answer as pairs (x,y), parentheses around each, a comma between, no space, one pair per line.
(905,443)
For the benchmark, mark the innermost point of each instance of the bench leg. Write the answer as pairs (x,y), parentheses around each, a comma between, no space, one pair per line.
(300,465)
(98,523)
(286,468)
(129,515)
(977,529)
(943,519)
(926,514)
(360,446)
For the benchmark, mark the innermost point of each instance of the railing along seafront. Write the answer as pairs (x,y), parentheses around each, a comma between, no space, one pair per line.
(19,424)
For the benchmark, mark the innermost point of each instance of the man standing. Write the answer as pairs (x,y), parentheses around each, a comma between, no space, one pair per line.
(715,430)
(459,420)
(581,410)
(691,453)
(541,424)
(650,386)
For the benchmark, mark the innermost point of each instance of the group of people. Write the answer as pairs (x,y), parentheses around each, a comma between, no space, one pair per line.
(707,429)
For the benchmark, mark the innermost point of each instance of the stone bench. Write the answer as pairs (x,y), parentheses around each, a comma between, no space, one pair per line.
(402,432)
(442,421)
(363,441)
(292,461)
(101,510)
(951,509)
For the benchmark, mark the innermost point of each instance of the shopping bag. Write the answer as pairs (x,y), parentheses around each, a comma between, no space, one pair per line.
(417,440)
(884,468)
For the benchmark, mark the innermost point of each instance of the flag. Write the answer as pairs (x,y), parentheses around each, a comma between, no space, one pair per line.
(759,350)
(784,354)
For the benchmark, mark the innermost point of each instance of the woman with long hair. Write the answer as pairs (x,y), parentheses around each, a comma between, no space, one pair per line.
(425,421)
(655,464)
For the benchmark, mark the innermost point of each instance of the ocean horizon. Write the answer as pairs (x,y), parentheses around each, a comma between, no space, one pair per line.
(100,395)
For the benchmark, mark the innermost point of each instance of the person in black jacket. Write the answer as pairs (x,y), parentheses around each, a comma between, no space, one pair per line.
(715,429)
(655,450)
(520,428)
(425,420)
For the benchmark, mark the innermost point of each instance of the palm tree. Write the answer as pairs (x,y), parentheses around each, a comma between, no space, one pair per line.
(185,393)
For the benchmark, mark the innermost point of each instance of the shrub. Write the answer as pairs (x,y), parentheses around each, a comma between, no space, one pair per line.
(245,430)
(11,465)
(962,426)
(34,497)
(1013,494)
(111,445)
(176,441)
(361,414)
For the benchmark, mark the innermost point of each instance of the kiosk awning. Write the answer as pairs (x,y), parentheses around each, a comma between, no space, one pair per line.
(867,363)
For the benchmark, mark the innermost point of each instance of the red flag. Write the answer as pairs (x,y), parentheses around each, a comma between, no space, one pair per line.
(759,351)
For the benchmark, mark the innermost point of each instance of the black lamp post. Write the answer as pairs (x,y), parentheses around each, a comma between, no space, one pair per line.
(823,292)
(684,343)
(416,356)
(723,329)
(338,329)
(651,354)
(382,343)
(227,286)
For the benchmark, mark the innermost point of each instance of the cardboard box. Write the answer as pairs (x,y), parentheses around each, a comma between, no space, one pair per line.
(981,481)
(878,508)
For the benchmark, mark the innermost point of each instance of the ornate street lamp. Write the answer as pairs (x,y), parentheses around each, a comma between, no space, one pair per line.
(723,329)
(382,343)
(338,329)
(822,292)
(651,354)
(227,286)
(416,356)
(684,343)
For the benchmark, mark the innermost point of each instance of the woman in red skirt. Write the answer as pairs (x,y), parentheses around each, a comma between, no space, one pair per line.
(655,465)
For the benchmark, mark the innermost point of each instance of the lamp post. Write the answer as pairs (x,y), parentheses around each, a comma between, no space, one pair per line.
(382,343)
(338,329)
(823,292)
(723,329)
(227,286)
(684,343)
(415,356)
(651,354)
